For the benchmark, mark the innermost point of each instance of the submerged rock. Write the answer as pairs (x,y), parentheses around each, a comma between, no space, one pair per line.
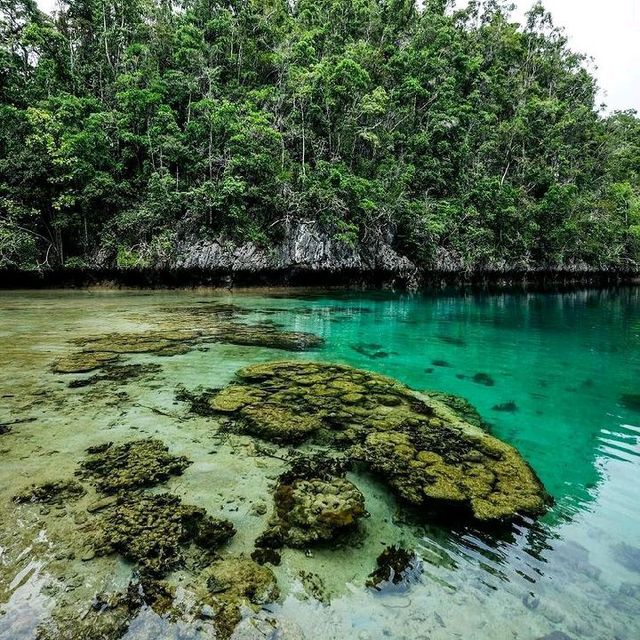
(184,331)
(426,451)
(371,350)
(484,379)
(627,555)
(83,362)
(266,335)
(394,565)
(631,401)
(120,373)
(151,531)
(141,463)
(51,492)
(505,407)
(314,503)
(233,584)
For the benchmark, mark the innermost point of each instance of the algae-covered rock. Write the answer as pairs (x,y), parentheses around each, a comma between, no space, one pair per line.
(119,373)
(136,464)
(314,502)
(241,578)
(265,335)
(83,362)
(51,492)
(394,565)
(234,584)
(109,615)
(427,451)
(151,530)
(316,509)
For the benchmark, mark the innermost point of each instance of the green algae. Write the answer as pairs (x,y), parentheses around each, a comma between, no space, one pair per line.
(428,453)
(132,465)
(152,530)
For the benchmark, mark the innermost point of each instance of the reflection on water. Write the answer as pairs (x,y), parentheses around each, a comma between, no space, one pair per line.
(560,363)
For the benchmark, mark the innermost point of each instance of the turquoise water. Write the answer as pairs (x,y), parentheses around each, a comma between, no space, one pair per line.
(554,370)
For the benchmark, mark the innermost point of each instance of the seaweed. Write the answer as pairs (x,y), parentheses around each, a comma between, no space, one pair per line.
(394,565)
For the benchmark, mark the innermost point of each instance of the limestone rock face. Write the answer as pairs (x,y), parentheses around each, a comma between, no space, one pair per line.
(306,247)
(428,453)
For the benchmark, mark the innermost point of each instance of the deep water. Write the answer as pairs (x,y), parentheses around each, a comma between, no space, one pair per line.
(555,375)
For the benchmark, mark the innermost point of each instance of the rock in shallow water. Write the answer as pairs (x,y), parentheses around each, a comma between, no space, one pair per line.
(132,465)
(426,451)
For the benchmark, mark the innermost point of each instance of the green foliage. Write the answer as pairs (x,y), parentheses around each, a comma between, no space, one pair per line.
(126,125)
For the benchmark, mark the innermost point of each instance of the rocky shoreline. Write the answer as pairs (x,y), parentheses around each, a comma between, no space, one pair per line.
(307,256)
(540,280)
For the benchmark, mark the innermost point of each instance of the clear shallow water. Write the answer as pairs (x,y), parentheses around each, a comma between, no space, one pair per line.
(563,362)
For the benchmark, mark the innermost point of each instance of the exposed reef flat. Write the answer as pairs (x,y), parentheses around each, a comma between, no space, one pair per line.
(428,452)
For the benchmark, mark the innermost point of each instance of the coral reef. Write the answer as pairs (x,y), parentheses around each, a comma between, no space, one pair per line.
(315,510)
(460,406)
(118,373)
(426,451)
(83,362)
(51,492)
(233,584)
(132,465)
(151,530)
(181,331)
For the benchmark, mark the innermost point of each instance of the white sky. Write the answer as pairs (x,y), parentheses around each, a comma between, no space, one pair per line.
(607,31)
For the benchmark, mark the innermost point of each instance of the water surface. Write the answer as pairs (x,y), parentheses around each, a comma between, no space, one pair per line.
(547,371)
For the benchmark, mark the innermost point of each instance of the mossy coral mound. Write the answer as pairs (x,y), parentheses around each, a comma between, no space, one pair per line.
(151,530)
(427,452)
(83,362)
(51,492)
(316,509)
(132,465)
(234,584)
(461,407)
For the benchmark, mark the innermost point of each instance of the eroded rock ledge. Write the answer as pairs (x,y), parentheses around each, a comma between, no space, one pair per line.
(429,454)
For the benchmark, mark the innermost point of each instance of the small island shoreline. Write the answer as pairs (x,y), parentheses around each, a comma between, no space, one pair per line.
(292,278)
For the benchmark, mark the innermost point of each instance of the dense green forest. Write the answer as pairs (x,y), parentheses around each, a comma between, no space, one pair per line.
(127,124)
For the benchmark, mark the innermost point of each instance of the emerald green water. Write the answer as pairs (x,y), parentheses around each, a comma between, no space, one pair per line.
(559,362)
